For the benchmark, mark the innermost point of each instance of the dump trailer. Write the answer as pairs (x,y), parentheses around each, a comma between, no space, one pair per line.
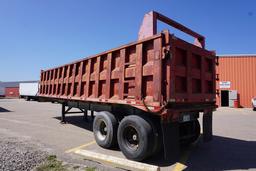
(147,94)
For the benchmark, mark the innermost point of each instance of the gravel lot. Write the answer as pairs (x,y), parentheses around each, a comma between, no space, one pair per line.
(18,154)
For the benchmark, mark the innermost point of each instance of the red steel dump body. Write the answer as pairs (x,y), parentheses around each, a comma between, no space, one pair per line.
(156,74)
(153,89)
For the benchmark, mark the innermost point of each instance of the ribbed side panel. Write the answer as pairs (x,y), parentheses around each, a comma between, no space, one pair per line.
(128,74)
(241,72)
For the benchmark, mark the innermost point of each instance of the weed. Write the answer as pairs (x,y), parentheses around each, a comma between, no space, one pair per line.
(51,164)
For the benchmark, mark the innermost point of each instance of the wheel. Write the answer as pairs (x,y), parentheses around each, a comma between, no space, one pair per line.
(105,129)
(135,138)
(196,130)
(254,109)
(157,142)
(191,132)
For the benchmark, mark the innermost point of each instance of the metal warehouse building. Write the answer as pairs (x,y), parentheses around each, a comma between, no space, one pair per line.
(236,84)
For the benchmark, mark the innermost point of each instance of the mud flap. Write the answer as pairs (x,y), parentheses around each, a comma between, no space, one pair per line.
(207,126)
(170,132)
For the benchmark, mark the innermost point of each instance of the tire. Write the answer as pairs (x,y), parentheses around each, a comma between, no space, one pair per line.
(194,126)
(135,138)
(197,130)
(254,109)
(157,142)
(105,129)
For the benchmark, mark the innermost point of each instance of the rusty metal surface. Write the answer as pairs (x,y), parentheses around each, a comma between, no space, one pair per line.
(241,72)
(149,27)
(146,74)
(193,70)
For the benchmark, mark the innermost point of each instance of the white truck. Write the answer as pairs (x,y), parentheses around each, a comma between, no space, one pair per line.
(29,91)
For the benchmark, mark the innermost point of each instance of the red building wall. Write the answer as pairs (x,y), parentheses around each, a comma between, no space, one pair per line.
(12,92)
(240,70)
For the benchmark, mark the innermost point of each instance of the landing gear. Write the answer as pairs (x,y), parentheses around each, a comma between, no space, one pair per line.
(65,111)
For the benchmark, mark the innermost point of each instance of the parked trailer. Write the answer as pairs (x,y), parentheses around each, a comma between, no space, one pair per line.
(147,94)
(12,92)
(29,91)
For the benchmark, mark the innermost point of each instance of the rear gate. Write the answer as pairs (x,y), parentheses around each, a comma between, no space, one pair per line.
(192,73)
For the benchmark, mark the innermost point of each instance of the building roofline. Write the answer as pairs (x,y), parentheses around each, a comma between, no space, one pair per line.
(236,55)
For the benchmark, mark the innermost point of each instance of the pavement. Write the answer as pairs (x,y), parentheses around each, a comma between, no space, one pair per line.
(233,146)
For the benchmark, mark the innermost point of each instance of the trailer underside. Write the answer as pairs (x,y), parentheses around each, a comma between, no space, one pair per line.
(172,133)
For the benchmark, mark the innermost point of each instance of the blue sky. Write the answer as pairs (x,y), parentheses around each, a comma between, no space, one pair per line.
(38,34)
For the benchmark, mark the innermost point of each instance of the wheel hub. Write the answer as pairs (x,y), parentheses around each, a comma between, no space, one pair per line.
(102,130)
(134,137)
(131,138)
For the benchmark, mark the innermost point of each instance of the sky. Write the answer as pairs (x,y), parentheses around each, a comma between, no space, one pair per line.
(41,34)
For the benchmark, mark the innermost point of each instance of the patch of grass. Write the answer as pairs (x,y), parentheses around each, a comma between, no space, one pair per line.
(76,167)
(51,164)
(90,169)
